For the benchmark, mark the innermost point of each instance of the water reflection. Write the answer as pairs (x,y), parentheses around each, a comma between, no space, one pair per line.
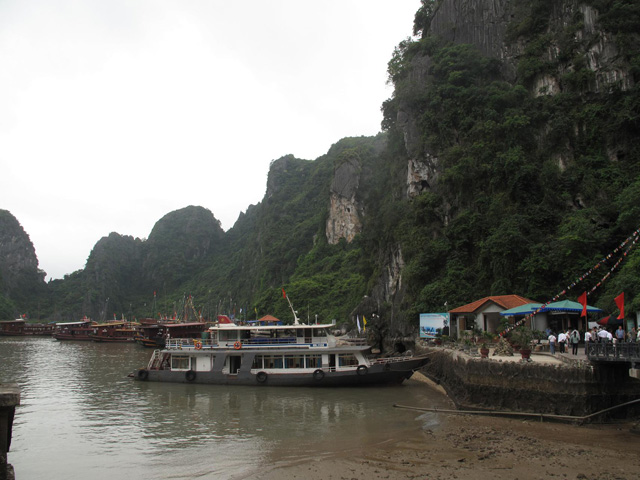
(80,416)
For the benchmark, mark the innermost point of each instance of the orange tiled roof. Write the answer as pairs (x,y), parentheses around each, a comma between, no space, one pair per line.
(504,301)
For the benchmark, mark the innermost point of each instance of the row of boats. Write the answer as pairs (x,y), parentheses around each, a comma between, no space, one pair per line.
(255,353)
(148,332)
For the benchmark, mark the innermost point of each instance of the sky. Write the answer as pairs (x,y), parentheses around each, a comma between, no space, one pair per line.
(114,113)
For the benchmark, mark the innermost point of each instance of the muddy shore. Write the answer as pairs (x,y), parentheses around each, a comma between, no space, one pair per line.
(473,447)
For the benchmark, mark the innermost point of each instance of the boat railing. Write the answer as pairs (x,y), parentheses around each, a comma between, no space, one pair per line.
(266,342)
(180,343)
(373,360)
(154,363)
(355,341)
(269,341)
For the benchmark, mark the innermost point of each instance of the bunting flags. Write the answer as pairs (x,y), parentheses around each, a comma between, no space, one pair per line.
(620,304)
(628,243)
(582,299)
(364,321)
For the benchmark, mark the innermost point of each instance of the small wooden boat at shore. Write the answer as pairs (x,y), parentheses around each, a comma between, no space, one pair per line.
(81,330)
(278,355)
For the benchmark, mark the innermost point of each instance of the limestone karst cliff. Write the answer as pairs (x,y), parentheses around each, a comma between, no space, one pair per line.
(508,163)
(21,281)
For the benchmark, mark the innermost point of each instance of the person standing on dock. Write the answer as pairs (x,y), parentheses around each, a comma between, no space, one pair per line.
(620,334)
(588,338)
(562,339)
(552,343)
(575,339)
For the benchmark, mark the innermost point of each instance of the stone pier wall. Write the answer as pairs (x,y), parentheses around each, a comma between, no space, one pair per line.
(9,399)
(578,390)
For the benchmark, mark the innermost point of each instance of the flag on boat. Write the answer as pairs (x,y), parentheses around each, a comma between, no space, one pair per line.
(364,321)
(358,322)
(620,303)
(284,294)
(224,319)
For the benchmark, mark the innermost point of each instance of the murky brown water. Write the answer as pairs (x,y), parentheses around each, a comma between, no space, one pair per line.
(81,417)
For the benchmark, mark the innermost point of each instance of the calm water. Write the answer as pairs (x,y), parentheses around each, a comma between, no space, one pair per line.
(81,418)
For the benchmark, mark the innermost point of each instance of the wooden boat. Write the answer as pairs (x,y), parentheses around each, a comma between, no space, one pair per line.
(156,335)
(21,328)
(122,331)
(81,330)
(282,355)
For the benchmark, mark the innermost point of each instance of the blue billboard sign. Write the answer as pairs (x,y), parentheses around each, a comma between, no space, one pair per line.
(430,323)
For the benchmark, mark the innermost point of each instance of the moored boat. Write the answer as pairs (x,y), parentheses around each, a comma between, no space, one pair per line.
(81,330)
(156,335)
(282,355)
(21,328)
(122,331)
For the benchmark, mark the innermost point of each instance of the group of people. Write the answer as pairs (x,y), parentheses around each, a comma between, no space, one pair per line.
(597,334)
(563,340)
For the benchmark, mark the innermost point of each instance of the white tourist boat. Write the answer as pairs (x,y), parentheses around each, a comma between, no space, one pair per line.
(283,355)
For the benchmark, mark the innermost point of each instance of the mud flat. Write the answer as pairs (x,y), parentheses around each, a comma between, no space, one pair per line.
(471,448)
(467,447)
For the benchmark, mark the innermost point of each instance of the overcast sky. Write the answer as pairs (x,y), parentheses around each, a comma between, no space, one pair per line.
(114,113)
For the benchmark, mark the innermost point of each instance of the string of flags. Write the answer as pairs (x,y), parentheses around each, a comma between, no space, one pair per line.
(629,242)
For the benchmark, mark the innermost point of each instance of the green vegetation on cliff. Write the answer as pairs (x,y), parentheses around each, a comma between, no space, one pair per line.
(533,176)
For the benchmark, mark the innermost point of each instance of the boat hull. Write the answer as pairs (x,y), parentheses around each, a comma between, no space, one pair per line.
(376,374)
(77,336)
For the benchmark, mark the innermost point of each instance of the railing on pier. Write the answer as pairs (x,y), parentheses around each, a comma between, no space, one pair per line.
(622,352)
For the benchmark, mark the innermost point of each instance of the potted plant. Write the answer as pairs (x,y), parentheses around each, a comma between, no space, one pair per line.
(484,348)
(523,336)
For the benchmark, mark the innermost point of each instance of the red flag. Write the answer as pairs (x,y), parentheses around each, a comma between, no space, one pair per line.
(284,295)
(582,299)
(620,303)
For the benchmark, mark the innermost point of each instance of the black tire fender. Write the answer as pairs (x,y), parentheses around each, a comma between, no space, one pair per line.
(143,374)
(318,375)
(190,375)
(362,370)
(261,377)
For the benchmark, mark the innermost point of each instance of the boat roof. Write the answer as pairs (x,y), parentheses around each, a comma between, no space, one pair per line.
(176,325)
(116,324)
(82,322)
(233,326)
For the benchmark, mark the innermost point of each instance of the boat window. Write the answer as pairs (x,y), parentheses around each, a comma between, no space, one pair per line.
(347,359)
(320,332)
(179,362)
(257,362)
(273,361)
(293,361)
(313,361)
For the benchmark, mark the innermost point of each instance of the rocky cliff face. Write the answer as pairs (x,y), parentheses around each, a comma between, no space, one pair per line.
(179,242)
(20,277)
(344,210)
(564,36)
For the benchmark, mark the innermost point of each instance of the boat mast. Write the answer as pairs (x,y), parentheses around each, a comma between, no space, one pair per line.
(296,320)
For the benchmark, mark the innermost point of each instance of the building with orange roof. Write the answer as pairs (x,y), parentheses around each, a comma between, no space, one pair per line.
(484,314)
